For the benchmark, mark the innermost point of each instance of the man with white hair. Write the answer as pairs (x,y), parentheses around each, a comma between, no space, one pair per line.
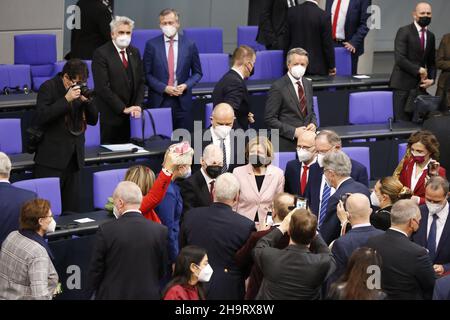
(11,199)
(119,82)
(406,271)
(197,190)
(221,232)
(130,253)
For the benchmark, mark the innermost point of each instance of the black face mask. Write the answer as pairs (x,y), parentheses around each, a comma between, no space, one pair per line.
(257,161)
(424,21)
(213,171)
(252,72)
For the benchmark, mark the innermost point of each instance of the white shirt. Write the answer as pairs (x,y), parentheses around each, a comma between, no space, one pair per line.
(294,83)
(398,230)
(208,180)
(419,30)
(440,223)
(322,185)
(309,169)
(361,225)
(132,210)
(119,50)
(340,28)
(239,72)
(4,180)
(175,55)
(415,178)
(216,141)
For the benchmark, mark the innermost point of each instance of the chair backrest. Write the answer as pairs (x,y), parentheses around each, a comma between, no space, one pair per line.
(45,188)
(92,135)
(59,65)
(370,107)
(208,40)
(360,154)
(343,61)
(246,35)
(163,123)
(214,66)
(281,159)
(140,37)
(37,50)
(104,184)
(15,76)
(268,65)
(401,150)
(208,114)
(10,136)
(316,110)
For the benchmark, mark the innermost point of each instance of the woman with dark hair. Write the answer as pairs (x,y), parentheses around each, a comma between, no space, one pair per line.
(353,284)
(191,269)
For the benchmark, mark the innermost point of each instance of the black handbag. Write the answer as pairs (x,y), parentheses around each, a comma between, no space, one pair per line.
(35,136)
(424,105)
(143,142)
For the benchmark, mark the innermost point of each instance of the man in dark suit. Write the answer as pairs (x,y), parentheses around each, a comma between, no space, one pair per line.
(406,271)
(438,125)
(434,229)
(130,254)
(296,175)
(289,106)
(336,171)
(62,113)
(172,68)
(119,82)
(299,270)
(221,232)
(415,60)
(349,19)
(309,27)
(442,289)
(93,31)
(11,199)
(281,207)
(231,89)
(197,190)
(272,27)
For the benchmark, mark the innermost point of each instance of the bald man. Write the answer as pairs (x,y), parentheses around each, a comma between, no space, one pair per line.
(358,215)
(297,171)
(415,60)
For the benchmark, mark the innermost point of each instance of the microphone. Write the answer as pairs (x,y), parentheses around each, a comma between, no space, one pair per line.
(107,153)
(390,123)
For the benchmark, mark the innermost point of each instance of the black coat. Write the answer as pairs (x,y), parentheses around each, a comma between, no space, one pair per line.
(52,111)
(409,58)
(272,27)
(221,232)
(195,192)
(439,126)
(129,259)
(310,28)
(406,270)
(232,89)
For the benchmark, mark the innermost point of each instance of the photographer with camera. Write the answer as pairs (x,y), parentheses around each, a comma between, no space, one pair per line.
(64,108)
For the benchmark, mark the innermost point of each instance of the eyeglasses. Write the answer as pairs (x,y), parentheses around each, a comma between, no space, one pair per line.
(304,147)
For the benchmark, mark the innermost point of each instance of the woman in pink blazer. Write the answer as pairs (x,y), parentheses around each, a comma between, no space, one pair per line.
(260,180)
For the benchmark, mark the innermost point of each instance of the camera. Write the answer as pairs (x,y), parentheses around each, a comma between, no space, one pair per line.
(84,90)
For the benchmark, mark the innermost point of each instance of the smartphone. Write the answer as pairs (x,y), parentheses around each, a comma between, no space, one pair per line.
(301,203)
(344,198)
(269,219)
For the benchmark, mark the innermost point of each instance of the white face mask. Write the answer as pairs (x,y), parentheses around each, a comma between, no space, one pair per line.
(116,212)
(123,41)
(205,274)
(304,155)
(298,71)
(169,31)
(320,159)
(434,208)
(222,131)
(51,226)
(374,199)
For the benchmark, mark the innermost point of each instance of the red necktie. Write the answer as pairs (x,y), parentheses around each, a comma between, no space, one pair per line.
(211,191)
(302,98)
(171,63)
(303,179)
(335,18)
(422,39)
(124,59)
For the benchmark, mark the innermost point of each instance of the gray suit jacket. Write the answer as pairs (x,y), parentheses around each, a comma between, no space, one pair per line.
(283,107)
(294,273)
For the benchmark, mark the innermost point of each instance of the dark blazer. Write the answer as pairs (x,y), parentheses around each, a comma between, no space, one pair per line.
(442,289)
(232,89)
(129,258)
(442,251)
(294,272)
(406,270)
(292,178)
(188,71)
(355,22)
(331,226)
(381,219)
(440,128)
(94,29)
(221,232)
(315,36)
(409,58)
(195,192)
(312,193)
(11,201)
(58,145)
(114,90)
(272,27)
(283,107)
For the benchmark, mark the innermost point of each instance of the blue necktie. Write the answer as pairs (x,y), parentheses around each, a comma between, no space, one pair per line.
(324,203)
(431,242)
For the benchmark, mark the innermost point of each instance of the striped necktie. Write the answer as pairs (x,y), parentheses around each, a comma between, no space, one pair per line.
(324,203)
(224,150)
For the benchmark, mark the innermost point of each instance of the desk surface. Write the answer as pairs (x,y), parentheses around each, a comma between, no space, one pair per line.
(374,130)
(18,100)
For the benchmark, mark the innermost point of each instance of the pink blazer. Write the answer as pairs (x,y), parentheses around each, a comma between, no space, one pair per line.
(250,199)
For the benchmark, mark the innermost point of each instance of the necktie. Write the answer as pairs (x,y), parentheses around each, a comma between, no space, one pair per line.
(303,179)
(335,18)
(224,150)
(211,190)
(124,59)
(324,203)
(171,63)
(302,98)
(431,242)
(422,39)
